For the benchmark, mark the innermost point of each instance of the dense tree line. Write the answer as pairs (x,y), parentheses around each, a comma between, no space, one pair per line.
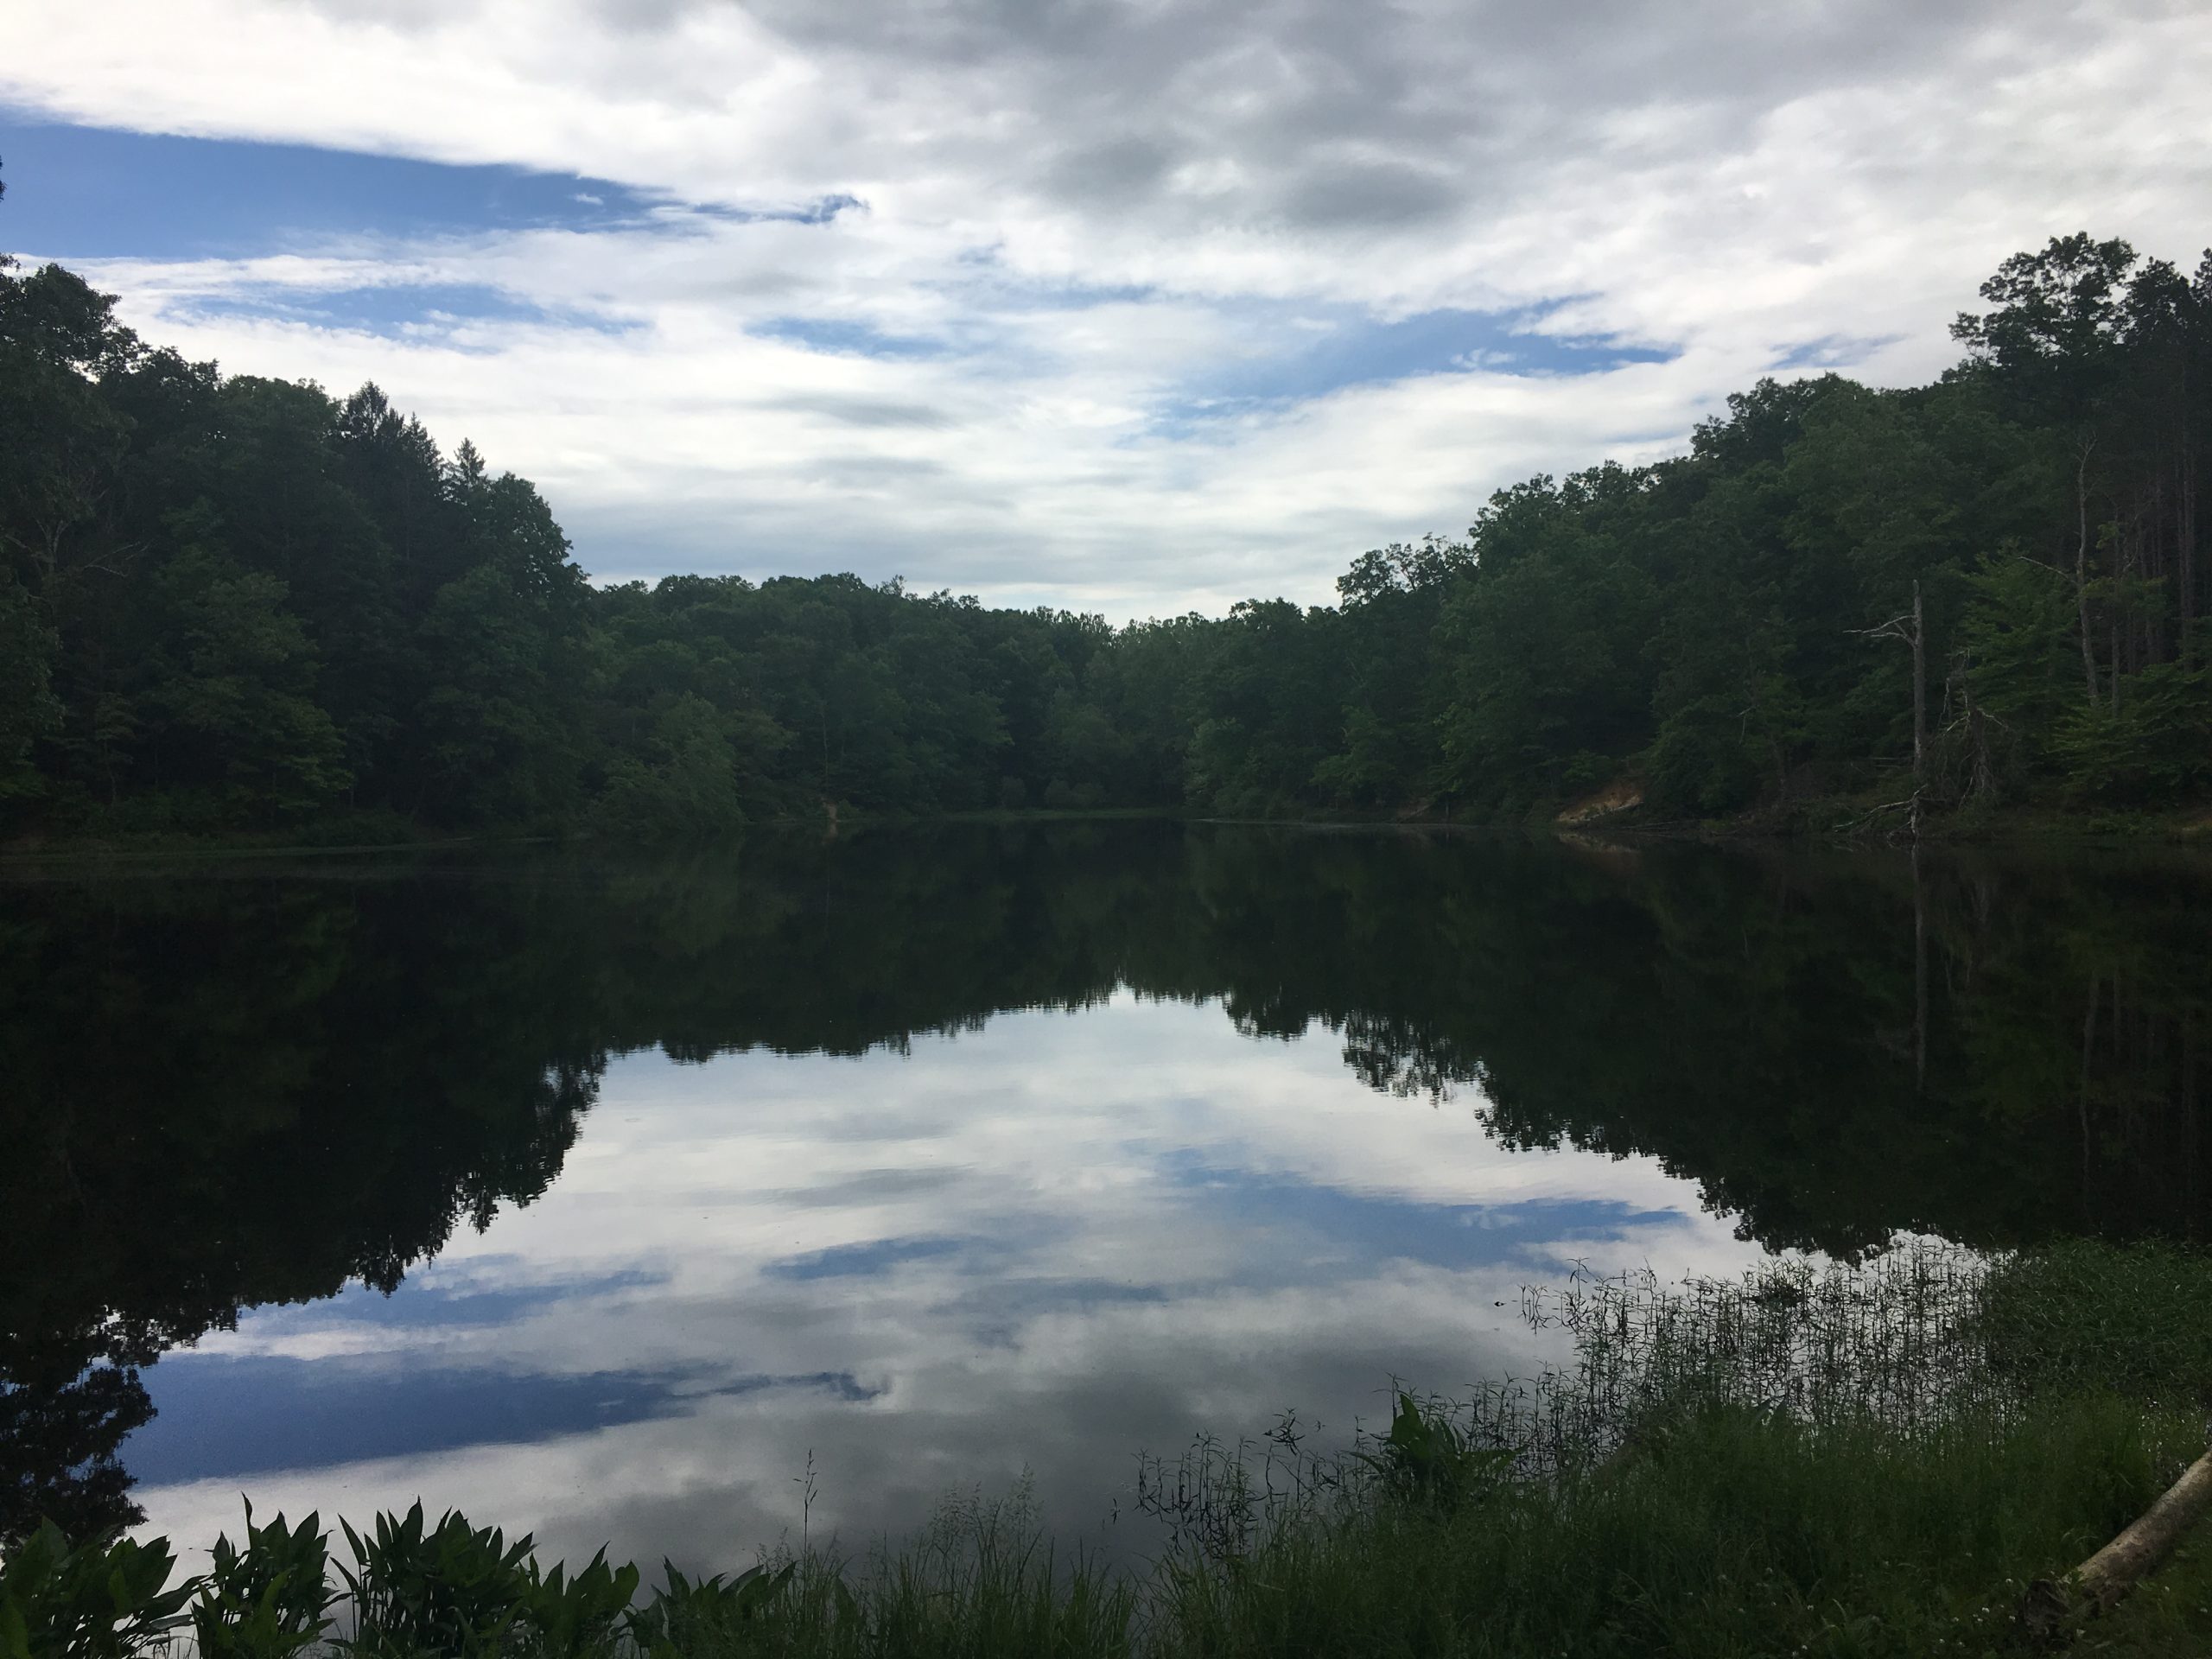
(235,602)
(1709,631)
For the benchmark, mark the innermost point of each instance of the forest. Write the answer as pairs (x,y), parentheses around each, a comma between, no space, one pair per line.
(233,604)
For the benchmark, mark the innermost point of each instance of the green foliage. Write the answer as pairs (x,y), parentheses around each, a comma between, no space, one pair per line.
(1867,1460)
(103,1599)
(2133,1319)
(688,1616)
(230,699)
(495,723)
(980,1580)
(573,1616)
(55,316)
(451,1589)
(1732,1533)
(237,603)
(2156,745)
(28,708)
(269,1599)
(1427,1458)
(1548,642)
(2015,634)
(685,790)
(1702,761)
(2058,319)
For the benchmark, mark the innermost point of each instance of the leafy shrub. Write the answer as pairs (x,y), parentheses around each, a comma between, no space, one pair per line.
(1700,762)
(689,1616)
(2157,745)
(452,1589)
(1429,1459)
(572,1617)
(100,1600)
(682,789)
(269,1599)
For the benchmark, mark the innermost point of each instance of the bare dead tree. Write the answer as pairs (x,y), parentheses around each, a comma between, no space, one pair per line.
(1919,977)
(1907,625)
(2081,563)
(1975,721)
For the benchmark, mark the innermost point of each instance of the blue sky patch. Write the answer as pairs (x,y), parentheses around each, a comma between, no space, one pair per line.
(418,1304)
(996,1314)
(230,1417)
(845,339)
(1309,353)
(1373,1229)
(866,1260)
(92,192)
(1832,352)
(391,309)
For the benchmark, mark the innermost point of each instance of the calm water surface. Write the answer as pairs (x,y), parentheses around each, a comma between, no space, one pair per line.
(593,1197)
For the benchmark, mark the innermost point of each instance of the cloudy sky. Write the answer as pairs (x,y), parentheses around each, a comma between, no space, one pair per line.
(1133,305)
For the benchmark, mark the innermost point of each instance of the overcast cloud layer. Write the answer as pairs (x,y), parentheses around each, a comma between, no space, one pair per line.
(1131,307)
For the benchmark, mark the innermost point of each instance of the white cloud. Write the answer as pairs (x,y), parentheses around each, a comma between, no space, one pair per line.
(1094,212)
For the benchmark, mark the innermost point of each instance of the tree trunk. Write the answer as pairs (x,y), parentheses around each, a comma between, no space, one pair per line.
(2185,543)
(2123,561)
(2089,1047)
(2195,1159)
(2159,569)
(1919,709)
(1919,694)
(2101,1580)
(1919,978)
(2081,565)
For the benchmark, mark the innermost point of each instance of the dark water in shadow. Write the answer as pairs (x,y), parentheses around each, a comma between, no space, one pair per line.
(592,1196)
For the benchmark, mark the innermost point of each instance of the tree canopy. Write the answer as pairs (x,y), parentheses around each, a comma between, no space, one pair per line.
(229,603)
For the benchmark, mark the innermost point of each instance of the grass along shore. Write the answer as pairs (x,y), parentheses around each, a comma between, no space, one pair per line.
(1851,1460)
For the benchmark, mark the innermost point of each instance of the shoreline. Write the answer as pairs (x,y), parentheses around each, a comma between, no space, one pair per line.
(2184,828)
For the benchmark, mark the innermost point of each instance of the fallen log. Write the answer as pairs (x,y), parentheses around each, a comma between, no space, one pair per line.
(2098,1584)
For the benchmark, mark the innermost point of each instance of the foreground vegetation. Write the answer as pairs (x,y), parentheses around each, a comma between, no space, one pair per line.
(240,605)
(1871,1460)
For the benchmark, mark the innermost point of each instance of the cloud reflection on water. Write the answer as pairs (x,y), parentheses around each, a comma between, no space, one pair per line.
(1046,1244)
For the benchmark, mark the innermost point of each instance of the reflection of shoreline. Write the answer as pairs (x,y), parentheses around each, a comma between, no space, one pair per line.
(267,1089)
(1060,1348)
(1104,1293)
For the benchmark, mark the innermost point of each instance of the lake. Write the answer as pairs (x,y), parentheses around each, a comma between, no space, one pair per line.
(620,1200)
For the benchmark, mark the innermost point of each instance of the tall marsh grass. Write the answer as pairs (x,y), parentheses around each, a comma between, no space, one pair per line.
(1844,1461)
(1894,1341)
(1837,1460)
